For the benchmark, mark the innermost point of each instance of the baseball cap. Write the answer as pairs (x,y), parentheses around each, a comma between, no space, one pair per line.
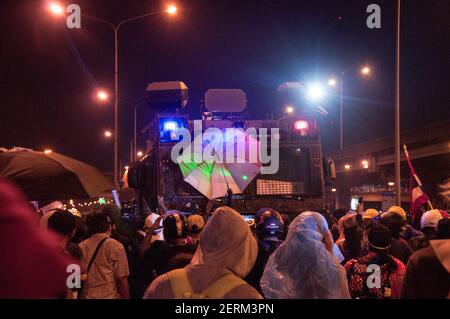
(430,218)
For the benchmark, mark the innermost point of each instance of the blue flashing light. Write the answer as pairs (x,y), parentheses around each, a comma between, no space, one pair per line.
(170,126)
(169,129)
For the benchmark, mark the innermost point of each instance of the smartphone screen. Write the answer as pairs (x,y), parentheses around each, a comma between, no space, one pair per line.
(355,201)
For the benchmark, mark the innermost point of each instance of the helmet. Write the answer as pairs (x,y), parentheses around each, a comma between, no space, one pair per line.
(397,210)
(175,226)
(370,213)
(264,213)
(269,224)
(270,228)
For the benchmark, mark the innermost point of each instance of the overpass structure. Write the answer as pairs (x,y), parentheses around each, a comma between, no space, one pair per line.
(367,169)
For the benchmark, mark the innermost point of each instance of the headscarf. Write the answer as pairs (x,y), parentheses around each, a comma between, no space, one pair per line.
(227,242)
(32,265)
(302,267)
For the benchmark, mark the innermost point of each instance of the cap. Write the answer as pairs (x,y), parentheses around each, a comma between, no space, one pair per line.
(430,218)
(398,210)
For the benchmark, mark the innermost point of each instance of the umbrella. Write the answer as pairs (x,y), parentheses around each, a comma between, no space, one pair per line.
(46,177)
(213,177)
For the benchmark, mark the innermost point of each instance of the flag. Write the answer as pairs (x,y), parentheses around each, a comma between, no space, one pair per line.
(417,197)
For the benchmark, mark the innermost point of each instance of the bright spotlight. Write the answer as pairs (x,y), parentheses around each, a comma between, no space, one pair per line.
(315,92)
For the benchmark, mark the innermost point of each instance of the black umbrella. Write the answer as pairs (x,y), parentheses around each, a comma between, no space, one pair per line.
(52,176)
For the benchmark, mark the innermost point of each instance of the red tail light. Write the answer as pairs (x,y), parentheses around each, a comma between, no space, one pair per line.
(302,127)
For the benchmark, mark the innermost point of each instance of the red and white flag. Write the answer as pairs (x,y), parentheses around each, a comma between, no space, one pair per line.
(417,196)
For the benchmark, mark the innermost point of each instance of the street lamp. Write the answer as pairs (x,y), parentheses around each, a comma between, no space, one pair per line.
(47,151)
(139,154)
(332,82)
(289,109)
(170,10)
(365,70)
(56,8)
(109,134)
(102,95)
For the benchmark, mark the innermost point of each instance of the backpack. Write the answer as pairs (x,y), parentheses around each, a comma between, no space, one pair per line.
(357,282)
(182,289)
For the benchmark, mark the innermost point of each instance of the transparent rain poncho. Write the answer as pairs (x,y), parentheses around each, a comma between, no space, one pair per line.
(302,267)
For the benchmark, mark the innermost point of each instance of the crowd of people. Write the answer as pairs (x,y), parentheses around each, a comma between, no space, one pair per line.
(317,254)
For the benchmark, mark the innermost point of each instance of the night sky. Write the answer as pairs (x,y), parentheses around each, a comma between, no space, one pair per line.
(47,99)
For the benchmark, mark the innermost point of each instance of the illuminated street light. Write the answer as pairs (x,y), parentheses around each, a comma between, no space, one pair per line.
(365,163)
(171,9)
(333,190)
(56,9)
(332,82)
(108,133)
(315,92)
(102,95)
(115,27)
(289,109)
(127,167)
(139,154)
(365,70)
(347,166)
(391,183)
(48,151)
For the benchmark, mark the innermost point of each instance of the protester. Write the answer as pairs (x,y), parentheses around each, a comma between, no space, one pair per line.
(303,267)
(395,222)
(226,253)
(32,265)
(269,229)
(105,261)
(63,223)
(428,269)
(428,226)
(352,247)
(391,269)
(175,228)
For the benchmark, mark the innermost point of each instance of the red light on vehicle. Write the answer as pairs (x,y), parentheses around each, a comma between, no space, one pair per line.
(302,126)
